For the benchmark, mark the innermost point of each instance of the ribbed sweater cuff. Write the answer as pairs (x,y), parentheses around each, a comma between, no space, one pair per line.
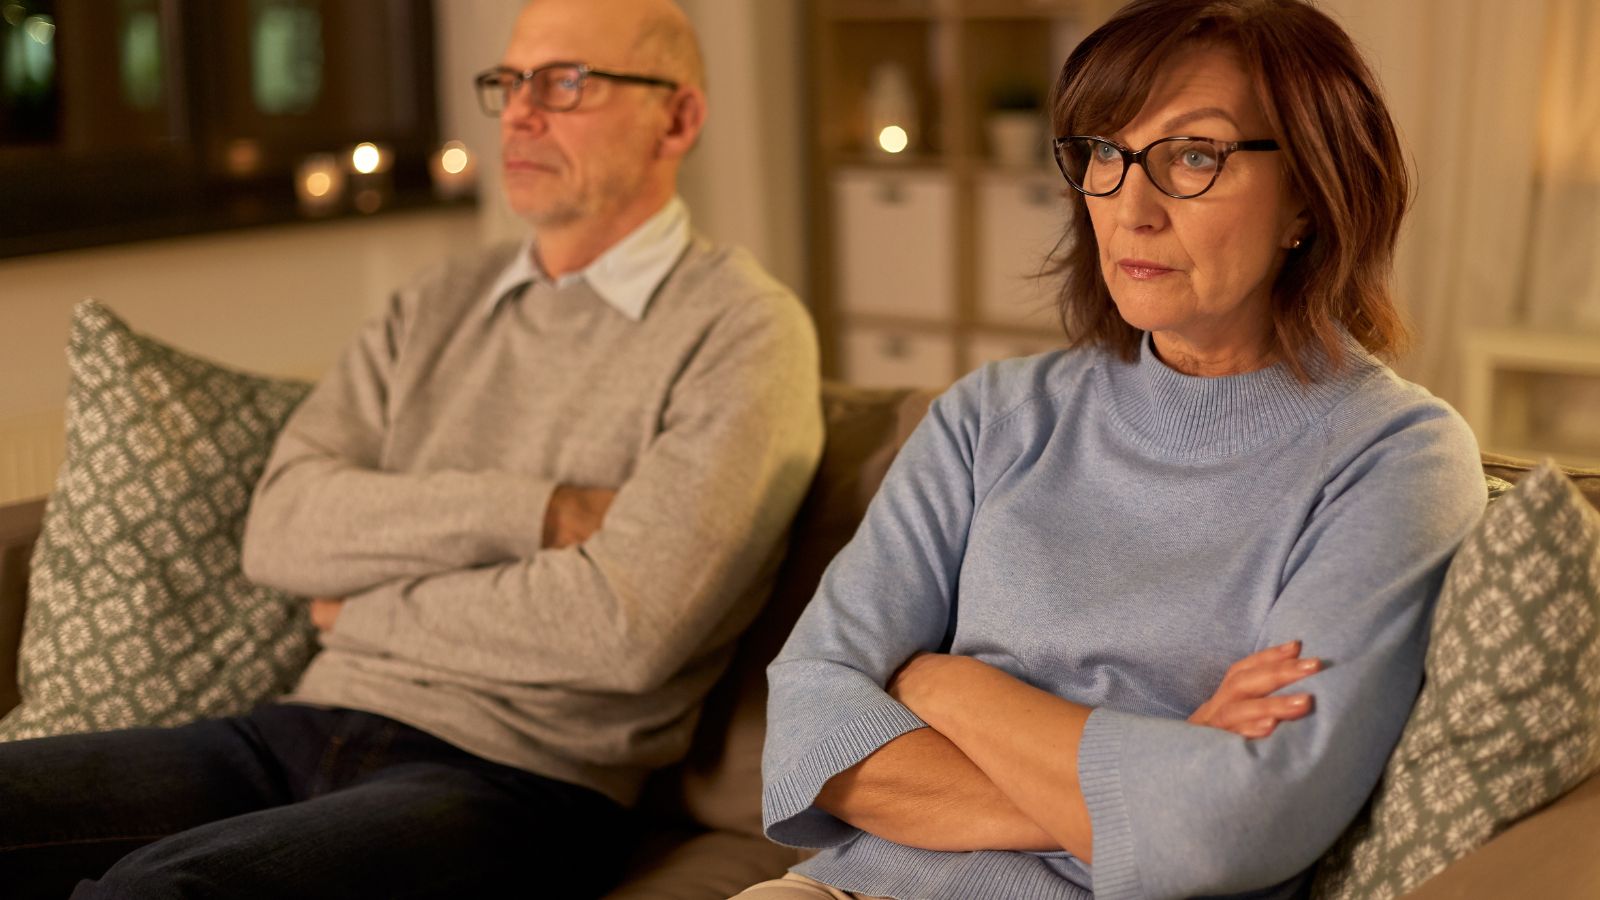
(786,801)
(1116,867)
(876,867)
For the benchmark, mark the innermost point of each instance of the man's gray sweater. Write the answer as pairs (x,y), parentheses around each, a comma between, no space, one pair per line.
(414,482)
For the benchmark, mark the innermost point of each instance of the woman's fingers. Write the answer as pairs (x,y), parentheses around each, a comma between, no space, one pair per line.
(1266,657)
(1269,677)
(1256,718)
(1244,703)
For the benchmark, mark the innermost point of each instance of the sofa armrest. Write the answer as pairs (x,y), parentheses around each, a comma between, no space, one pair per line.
(1550,855)
(19,527)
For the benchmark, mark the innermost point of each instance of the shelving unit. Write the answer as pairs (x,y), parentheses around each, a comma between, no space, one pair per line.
(927,264)
(1501,371)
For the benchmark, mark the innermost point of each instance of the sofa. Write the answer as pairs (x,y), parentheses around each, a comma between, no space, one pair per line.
(701,836)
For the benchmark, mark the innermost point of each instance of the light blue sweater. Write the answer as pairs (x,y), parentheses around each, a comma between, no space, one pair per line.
(1119,534)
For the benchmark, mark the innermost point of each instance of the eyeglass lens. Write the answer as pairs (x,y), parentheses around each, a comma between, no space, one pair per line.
(553,88)
(1183,167)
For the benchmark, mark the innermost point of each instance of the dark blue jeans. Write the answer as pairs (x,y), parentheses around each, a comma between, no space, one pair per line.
(292,801)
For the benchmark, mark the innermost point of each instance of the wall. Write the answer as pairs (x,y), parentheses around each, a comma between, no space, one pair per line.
(745,182)
(277,301)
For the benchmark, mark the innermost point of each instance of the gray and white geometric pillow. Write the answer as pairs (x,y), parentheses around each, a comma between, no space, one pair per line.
(137,612)
(1509,715)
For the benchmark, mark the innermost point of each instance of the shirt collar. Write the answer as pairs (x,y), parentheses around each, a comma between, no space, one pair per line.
(625,276)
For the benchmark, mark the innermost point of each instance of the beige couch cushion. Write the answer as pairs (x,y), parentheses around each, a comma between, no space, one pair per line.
(1549,856)
(19,526)
(676,865)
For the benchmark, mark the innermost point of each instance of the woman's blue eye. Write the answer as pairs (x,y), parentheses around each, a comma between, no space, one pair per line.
(1198,158)
(1105,153)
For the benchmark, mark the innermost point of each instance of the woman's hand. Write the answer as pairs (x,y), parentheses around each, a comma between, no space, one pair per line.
(1242,703)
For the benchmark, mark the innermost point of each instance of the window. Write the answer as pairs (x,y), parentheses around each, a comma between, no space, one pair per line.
(127,119)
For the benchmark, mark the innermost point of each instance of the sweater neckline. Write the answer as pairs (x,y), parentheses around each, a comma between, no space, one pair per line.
(1192,416)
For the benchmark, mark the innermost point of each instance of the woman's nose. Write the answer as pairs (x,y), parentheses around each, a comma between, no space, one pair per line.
(1140,204)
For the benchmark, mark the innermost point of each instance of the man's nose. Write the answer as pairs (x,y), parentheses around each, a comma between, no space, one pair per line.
(522,113)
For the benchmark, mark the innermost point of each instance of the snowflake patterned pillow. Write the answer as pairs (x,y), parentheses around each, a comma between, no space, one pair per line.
(137,611)
(1509,715)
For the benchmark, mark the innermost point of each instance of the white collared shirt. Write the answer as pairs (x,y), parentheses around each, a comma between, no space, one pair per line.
(625,276)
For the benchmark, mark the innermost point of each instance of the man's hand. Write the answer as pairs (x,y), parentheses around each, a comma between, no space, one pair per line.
(574,514)
(1242,703)
(324,610)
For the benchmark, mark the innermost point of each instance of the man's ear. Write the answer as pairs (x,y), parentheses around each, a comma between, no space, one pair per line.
(686,113)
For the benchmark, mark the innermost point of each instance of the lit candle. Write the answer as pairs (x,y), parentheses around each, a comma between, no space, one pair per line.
(891,112)
(319,184)
(454,170)
(370,182)
(893,139)
(368,158)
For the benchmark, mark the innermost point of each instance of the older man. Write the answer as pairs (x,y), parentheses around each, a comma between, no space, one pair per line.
(538,501)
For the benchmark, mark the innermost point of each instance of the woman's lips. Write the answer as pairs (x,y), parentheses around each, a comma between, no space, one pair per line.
(1143,269)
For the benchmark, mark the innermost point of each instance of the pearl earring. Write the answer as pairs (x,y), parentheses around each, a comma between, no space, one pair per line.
(1296,244)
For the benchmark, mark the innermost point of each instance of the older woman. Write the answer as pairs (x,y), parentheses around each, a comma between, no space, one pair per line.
(1012,672)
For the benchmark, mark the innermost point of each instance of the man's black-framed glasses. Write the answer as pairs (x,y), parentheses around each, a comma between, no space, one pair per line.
(1180,167)
(555,87)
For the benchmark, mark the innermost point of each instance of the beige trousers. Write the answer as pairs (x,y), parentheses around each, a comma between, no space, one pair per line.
(798,887)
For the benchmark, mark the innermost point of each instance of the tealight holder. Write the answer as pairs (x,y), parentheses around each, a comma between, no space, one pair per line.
(454,170)
(371,179)
(319,184)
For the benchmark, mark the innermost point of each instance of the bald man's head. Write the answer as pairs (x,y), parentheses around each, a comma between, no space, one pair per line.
(658,36)
(667,44)
(613,157)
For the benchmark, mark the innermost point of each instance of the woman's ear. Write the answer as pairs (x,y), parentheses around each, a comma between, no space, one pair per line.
(1297,232)
(686,117)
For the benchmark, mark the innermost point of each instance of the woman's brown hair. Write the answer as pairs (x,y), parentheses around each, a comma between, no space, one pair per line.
(1340,151)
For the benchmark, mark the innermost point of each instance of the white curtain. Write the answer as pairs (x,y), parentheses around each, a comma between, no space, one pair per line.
(1563,256)
(1464,81)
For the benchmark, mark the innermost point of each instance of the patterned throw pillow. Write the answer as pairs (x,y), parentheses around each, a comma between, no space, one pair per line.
(1509,716)
(137,612)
